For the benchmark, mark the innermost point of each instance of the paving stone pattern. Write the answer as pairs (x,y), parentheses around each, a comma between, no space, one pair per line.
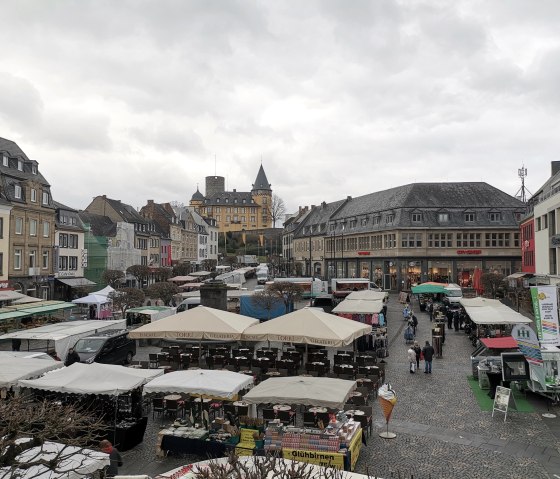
(441,432)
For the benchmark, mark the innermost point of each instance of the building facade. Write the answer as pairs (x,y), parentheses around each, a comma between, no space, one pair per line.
(413,233)
(32,222)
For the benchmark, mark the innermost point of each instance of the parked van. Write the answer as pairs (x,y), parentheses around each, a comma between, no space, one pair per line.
(188,303)
(108,347)
(453,293)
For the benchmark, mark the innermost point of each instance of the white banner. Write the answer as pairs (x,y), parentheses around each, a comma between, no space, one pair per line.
(545,307)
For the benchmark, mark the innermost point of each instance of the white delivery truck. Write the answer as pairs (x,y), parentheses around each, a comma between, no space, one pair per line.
(312,287)
(342,287)
(452,293)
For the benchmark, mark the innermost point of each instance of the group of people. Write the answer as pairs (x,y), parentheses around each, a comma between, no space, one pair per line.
(416,354)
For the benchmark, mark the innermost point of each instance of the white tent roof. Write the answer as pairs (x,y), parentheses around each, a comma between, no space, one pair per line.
(72,462)
(491,311)
(12,369)
(27,299)
(216,383)
(27,354)
(306,390)
(8,295)
(368,295)
(481,302)
(359,306)
(310,326)
(197,323)
(93,378)
(105,291)
(93,298)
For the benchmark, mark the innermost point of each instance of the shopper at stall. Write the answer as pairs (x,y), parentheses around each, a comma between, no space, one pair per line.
(411,359)
(418,351)
(449,315)
(428,352)
(456,320)
(72,357)
(114,457)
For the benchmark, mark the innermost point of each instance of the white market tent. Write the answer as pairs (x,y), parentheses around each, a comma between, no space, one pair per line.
(72,462)
(359,306)
(93,298)
(215,383)
(305,390)
(367,295)
(491,311)
(65,334)
(95,378)
(308,326)
(13,368)
(106,291)
(197,323)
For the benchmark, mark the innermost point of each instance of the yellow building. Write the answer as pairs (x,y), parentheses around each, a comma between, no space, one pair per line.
(235,210)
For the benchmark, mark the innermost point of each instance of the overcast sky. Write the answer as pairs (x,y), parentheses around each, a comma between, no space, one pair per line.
(143,99)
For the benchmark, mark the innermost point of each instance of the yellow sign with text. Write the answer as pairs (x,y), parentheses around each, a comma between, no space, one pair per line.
(355,448)
(319,458)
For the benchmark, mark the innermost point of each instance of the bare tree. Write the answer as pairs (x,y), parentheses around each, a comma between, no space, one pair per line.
(492,283)
(277,209)
(164,291)
(140,272)
(182,269)
(113,277)
(266,299)
(126,298)
(288,292)
(28,429)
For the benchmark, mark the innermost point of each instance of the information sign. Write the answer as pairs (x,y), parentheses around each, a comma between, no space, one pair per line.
(319,458)
(501,400)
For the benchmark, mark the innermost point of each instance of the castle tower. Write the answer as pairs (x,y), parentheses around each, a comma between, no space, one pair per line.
(215,185)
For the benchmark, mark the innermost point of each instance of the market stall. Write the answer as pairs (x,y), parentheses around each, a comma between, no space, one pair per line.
(113,391)
(13,368)
(100,306)
(59,337)
(337,443)
(491,349)
(148,314)
(199,434)
(71,462)
(198,323)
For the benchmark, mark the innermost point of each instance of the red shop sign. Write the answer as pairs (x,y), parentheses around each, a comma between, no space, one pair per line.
(469,251)
(363,253)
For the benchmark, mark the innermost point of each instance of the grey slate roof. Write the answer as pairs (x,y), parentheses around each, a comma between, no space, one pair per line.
(71,213)
(100,225)
(426,199)
(261,183)
(127,212)
(232,197)
(14,152)
(197,196)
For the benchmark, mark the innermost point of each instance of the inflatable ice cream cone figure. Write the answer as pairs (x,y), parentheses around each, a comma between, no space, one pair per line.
(387,399)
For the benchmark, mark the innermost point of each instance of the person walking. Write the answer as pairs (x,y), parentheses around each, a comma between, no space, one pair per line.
(430,309)
(418,351)
(72,357)
(456,320)
(16,344)
(428,352)
(414,323)
(449,316)
(114,458)
(412,359)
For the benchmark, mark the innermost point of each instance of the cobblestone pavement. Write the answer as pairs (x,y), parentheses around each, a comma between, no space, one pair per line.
(441,432)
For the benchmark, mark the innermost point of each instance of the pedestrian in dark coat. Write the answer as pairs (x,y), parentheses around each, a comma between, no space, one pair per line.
(114,458)
(428,352)
(418,351)
(449,315)
(414,323)
(72,357)
(456,320)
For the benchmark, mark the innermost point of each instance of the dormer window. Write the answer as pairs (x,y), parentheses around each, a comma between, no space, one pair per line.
(416,217)
(469,217)
(494,217)
(244,201)
(33,195)
(353,223)
(34,169)
(443,217)
(227,200)
(217,200)
(235,200)
(389,219)
(20,165)
(17,191)
(376,220)
(5,160)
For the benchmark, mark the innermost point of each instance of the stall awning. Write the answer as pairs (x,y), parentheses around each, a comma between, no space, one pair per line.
(75,282)
(507,342)
(10,295)
(12,315)
(49,308)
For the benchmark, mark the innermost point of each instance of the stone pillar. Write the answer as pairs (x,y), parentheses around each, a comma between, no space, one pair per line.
(214,294)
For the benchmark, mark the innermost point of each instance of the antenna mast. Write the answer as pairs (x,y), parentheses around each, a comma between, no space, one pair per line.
(522,192)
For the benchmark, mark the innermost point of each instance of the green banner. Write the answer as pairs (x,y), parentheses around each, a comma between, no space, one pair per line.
(537,311)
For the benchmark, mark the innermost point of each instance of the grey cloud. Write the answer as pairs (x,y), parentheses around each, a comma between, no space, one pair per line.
(20,101)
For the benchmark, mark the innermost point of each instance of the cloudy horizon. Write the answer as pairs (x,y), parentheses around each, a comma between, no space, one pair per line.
(142,100)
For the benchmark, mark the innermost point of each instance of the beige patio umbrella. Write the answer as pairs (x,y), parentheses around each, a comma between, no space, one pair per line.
(308,326)
(199,323)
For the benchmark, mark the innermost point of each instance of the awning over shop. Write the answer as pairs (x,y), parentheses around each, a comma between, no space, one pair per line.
(518,275)
(76,282)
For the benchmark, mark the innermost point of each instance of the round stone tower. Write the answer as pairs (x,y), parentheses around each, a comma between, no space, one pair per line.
(215,185)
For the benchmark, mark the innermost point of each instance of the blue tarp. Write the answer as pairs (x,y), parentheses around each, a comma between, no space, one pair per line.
(248,308)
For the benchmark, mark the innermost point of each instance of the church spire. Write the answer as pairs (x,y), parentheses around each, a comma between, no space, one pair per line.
(261,183)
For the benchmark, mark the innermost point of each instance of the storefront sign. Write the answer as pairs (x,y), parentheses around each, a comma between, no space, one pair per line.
(363,253)
(545,308)
(4,284)
(528,344)
(469,251)
(319,458)
(355,448)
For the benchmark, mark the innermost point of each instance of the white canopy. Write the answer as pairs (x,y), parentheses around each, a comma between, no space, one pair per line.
(12,369)
(106,291)
(491,311)
(306,390)
(93,298)
(9,295)
(215,383)
(93,378)
(65,334)
(359,306)
(72,462)
(367,295)
(197,323)
(308,326)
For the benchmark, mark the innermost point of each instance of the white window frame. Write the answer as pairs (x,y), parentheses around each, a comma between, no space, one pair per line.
(45,197)
(20,165)
(33,195)
(46,229)
(443,217)
(17,191)
(19,221)
(45,263)
(5,160)
(33,227)
(17,258)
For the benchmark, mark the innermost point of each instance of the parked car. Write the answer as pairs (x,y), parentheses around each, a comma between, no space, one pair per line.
(108,347)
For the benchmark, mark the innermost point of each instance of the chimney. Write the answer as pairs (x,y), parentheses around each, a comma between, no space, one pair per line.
(234,190)
(555,167)
(150,202)
(349,198)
